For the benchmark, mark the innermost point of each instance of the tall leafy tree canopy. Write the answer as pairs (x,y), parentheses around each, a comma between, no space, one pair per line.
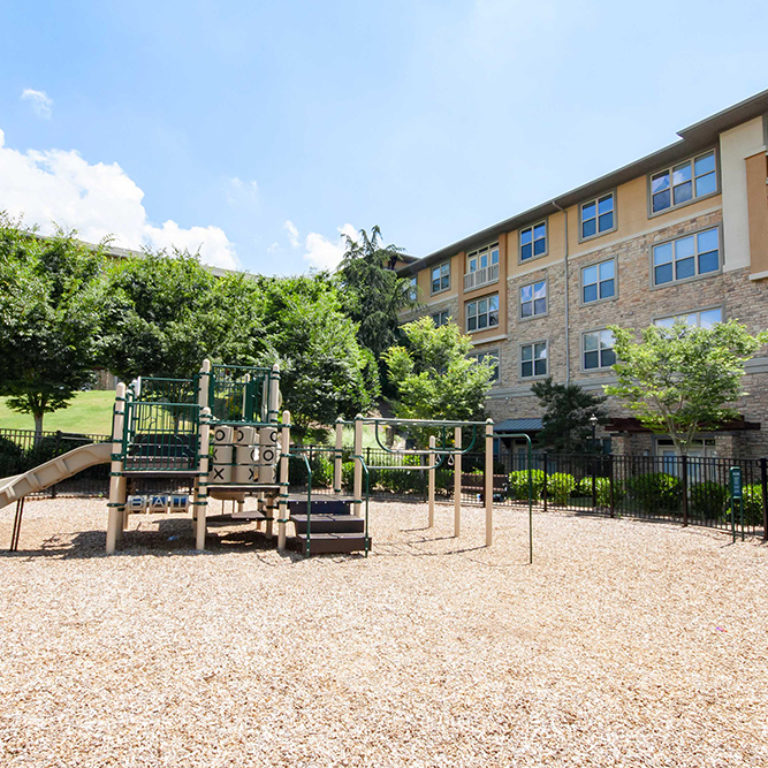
(163,314)
(568,409)
(682,380)
(325,373)
(433,375)
(49,318)
(372,293)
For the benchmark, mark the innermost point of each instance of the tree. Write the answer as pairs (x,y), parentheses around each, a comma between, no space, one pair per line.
(568,409)
(372,293)
(49,318)
(165,313)
(324,372)
(433,376)
(680,380)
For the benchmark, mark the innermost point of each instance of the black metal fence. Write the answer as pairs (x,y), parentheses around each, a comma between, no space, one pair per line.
(689,490)
(686,489)
(19,452)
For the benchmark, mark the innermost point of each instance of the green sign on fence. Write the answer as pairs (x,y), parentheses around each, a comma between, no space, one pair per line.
(735,473)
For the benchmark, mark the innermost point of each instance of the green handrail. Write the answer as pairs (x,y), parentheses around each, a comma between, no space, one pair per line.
(307,546)
(364,466)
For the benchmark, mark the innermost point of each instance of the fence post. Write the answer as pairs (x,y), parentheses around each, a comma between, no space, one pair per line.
(685,488)
(546,477)
(610,485)
(764,488)
(594,483)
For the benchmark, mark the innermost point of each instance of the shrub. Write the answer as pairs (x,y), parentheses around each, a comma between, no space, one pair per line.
(708,500)
(752,503)
(602,490)
(322,471)
(10,457)
(518,484)
(50,447)
(560,485)
(656,491)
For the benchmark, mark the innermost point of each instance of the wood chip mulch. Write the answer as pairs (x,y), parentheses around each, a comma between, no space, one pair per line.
(625,644)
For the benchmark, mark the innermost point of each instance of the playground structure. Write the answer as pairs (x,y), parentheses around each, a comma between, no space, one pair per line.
(223,434)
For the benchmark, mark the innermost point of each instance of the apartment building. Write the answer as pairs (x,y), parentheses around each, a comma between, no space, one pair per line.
(680,232)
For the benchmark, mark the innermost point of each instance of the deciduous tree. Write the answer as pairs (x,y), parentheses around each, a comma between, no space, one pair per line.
(681,380)
(49,318)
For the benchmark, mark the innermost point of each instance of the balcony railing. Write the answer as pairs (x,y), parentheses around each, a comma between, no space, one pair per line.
(480,277)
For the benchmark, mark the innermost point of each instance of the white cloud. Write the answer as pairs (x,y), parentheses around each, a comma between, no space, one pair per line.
(323,253)
(293,233)
(97,200)
(42,103)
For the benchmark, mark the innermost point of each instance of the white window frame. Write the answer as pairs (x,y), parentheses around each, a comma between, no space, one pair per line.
(533,300)
(472,311)
(443,275)
(532,229)
(695,256)
(534,359)
(596,201)
(669,171)
(475,258)
(669,320)
(599,264)
(601,333)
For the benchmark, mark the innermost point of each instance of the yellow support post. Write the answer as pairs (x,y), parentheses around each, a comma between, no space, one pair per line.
(201,500)
(116,481)
(489,482)
(285,447)
(431,481)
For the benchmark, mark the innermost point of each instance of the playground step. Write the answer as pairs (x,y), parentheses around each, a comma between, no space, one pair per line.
(326,505)
(323,523)
(332,543)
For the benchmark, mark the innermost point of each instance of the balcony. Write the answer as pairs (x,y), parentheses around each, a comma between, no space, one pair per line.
(481,277)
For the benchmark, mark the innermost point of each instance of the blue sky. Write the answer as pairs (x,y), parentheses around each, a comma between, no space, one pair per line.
(259,131)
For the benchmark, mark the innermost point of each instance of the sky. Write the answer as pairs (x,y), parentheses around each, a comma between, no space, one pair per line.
(261,133)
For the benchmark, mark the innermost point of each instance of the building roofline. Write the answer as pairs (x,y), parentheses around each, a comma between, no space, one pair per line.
(693,138)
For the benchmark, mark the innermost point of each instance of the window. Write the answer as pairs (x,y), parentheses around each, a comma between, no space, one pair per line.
(598,216)
(686,257)
(533,241)
(413,289)
(684,182)
(441,277)
(704,318)
(441,318)
(598,350)
(482,267)
(533,299)
(483,313)
(598,281)
(533,360)
(494,358)
(483,257)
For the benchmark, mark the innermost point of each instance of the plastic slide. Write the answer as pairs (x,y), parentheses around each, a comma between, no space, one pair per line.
(53,471)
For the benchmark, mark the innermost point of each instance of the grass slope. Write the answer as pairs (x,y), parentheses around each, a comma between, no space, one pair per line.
(89,412)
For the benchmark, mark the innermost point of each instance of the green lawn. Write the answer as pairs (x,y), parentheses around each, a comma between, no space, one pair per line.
(89,412)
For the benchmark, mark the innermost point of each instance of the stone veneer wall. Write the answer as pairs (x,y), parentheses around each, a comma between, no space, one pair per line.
(637,303)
